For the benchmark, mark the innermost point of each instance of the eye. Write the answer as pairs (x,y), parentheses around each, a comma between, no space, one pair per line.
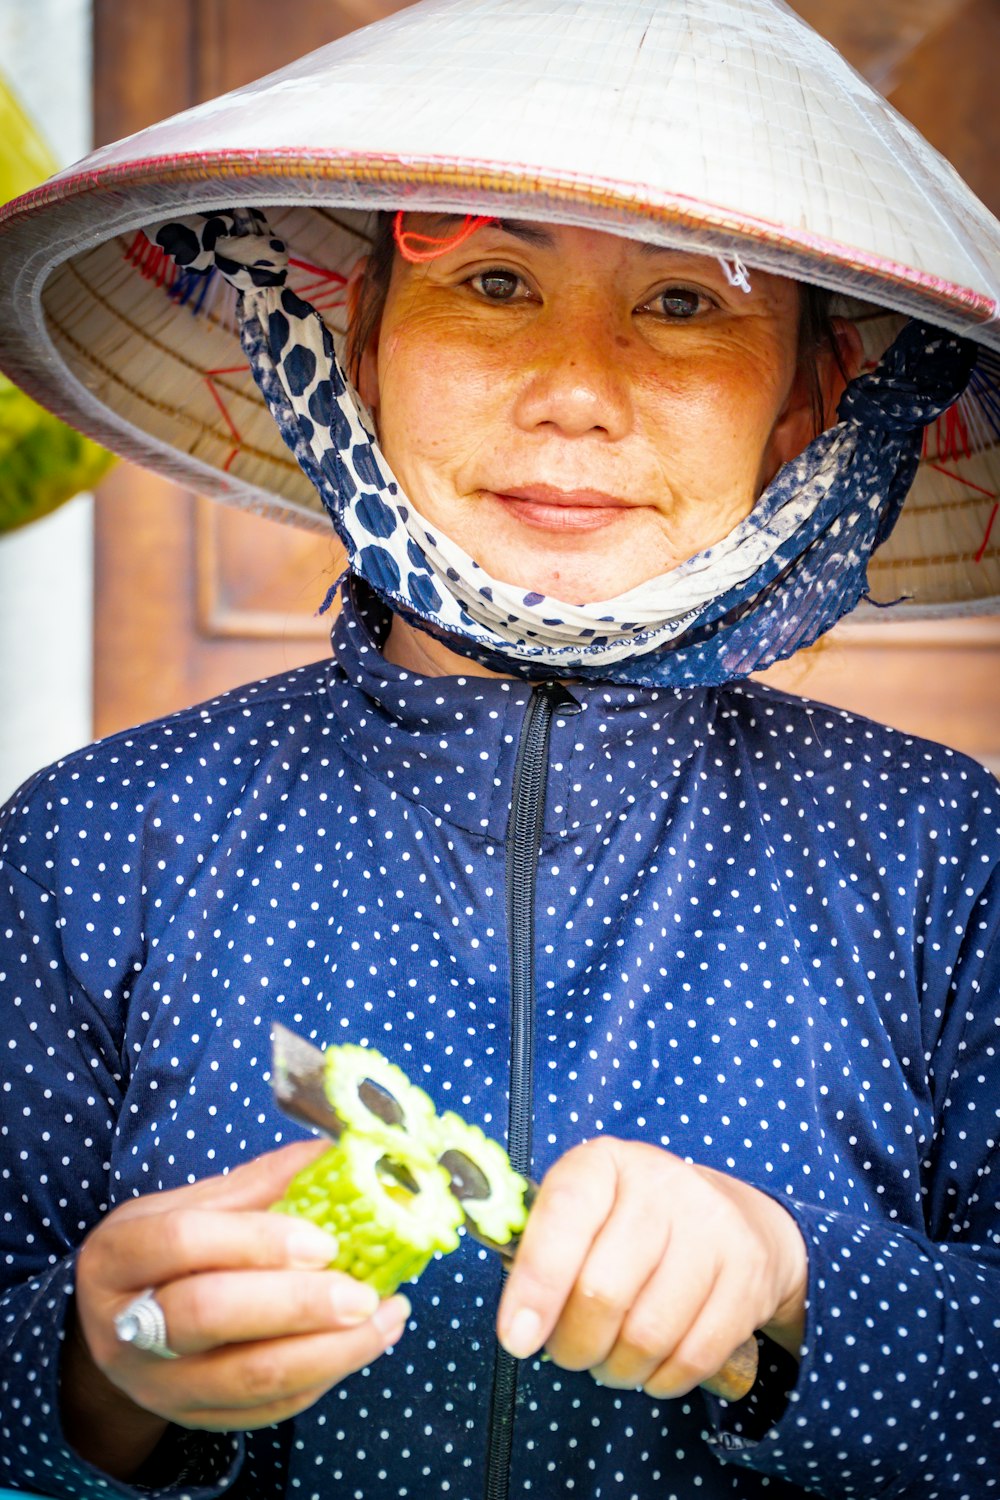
(497,285)
(679,303)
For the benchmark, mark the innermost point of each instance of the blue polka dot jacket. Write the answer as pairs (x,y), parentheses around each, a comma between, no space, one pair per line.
(758,932)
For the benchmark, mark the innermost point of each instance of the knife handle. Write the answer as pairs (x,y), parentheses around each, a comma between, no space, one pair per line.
(737,1374)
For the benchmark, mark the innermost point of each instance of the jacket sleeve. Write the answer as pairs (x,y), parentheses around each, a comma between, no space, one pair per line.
(898,1391)
(58,1110)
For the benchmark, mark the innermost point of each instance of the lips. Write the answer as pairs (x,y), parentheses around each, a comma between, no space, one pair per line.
(551,509)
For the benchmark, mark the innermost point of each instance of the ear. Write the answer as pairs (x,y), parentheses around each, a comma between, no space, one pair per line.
(796,427)
(837,371)
(367,370)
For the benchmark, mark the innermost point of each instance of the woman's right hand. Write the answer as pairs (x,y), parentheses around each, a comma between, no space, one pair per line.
(260,1328)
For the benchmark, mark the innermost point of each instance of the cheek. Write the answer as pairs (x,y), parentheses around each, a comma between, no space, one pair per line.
(438,400)
(715,413)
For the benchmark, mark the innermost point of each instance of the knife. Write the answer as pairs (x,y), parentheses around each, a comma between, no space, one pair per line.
(298,1075)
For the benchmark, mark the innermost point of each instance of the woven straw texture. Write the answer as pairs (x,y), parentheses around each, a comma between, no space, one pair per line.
(716,125)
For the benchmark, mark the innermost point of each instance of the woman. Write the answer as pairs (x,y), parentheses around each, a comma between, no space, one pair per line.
(717,962)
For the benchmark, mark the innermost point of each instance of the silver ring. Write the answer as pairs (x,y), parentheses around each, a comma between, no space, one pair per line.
(143,1325)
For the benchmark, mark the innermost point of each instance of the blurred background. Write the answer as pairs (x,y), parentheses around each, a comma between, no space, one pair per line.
(147,598)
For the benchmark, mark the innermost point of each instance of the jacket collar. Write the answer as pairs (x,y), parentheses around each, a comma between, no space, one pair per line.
(450,743)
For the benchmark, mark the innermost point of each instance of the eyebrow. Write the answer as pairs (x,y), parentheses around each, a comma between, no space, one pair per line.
(537,234)
(531,234)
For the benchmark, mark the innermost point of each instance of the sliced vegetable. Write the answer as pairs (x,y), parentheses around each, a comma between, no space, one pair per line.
(497,1209)
(387,1232)
(400,1181)
(371,1095)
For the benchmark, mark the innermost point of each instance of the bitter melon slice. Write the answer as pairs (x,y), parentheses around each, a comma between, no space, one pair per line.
(373,1096)
(501,1212)
(386,1233)
(385,1188)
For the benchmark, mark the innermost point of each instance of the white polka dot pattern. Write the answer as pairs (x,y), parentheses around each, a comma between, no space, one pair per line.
(767,939)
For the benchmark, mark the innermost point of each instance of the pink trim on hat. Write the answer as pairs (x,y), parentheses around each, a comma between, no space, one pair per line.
(497,178)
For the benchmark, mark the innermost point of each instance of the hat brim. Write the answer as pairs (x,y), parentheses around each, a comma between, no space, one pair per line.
(173,392)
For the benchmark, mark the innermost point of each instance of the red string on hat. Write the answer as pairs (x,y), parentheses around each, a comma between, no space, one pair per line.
(210,382)
(326,291)
(409,243)
(989,527)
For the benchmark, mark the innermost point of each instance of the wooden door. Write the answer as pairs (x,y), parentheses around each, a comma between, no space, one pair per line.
(192,597)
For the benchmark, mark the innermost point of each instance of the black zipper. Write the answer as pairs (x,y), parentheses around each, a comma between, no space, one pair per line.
(524,836)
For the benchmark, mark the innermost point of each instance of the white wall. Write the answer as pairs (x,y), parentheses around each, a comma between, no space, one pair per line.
(46,570)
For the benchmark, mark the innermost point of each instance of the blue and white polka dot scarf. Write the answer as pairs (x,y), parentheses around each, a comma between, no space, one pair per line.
(782,576)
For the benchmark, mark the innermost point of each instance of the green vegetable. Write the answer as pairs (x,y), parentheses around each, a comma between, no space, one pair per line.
(502,1214)
(374,1096)
(386,1233)
(42,461)
(384,1189)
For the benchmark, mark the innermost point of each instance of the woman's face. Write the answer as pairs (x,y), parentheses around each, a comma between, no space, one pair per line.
(582,412)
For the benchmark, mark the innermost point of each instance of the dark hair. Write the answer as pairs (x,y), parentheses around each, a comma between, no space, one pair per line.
(372,292)
(817,335)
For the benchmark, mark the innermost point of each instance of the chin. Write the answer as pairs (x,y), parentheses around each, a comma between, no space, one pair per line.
(567,585)
(578,568)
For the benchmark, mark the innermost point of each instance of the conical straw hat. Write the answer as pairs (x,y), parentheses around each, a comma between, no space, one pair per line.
(723,126)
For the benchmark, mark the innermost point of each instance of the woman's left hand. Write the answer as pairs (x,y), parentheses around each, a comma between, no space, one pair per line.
(648,1271)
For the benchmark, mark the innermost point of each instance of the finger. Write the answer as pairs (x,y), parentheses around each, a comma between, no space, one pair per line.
(253,1378)
(660,1319)
(254,1184)
(719,1327)
(154,1250)
(246,1386)
(229,1419)
(238,1307)
(572,1206)
(622,1259)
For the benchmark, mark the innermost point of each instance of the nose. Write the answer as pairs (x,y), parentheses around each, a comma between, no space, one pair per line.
(577,381)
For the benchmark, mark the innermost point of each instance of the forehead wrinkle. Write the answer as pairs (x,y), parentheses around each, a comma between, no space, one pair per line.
(532,234)
(540,234)
(649,247)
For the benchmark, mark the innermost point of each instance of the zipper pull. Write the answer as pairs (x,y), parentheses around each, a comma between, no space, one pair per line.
(561,700)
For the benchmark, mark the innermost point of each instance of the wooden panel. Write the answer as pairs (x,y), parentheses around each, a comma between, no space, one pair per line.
(152,654)
(190,597)
(935,680)
(193,598)
(143,63)
(876,38)
(267,593)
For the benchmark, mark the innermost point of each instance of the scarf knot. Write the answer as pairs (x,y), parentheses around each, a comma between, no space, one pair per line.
(237,244)
(918,378)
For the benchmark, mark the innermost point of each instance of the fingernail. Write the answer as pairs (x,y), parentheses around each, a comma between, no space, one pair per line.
(521,1337)
(353,1301)
(396,1310)
(308,1245)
